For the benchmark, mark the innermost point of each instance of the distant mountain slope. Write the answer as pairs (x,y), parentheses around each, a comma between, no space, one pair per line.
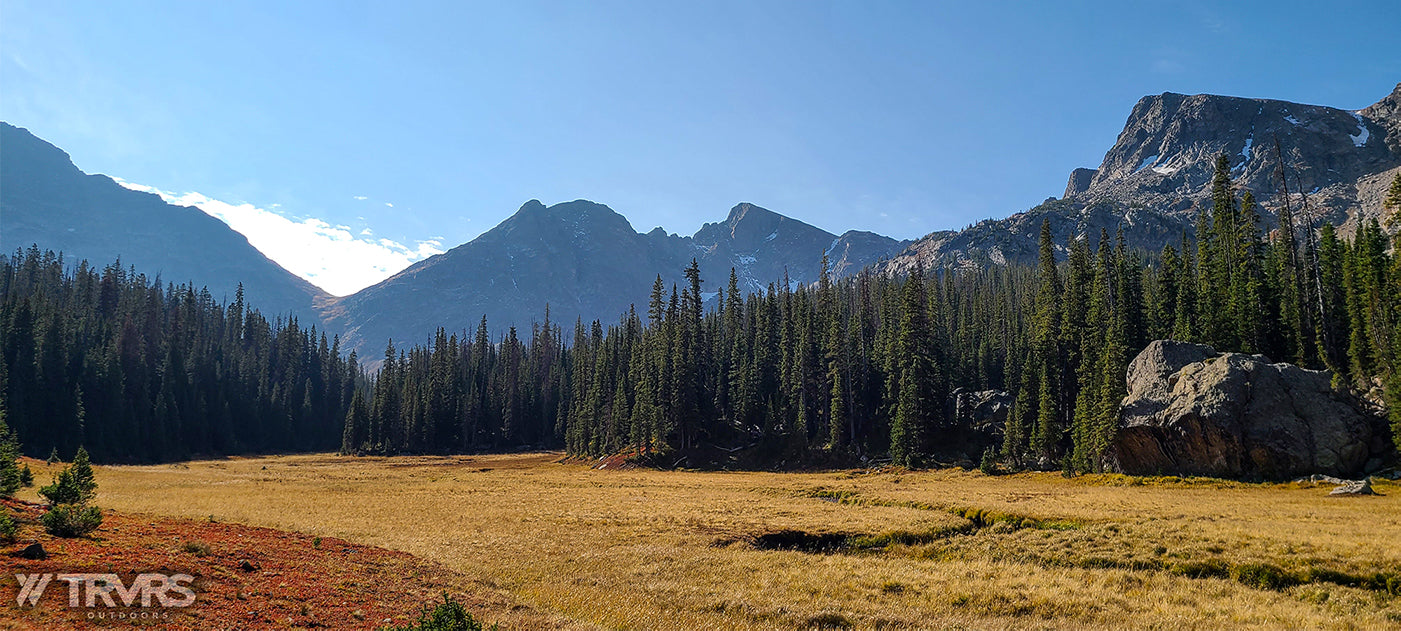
(586,261)
(581,258)
(46,200)
(1158,173)
(764,246)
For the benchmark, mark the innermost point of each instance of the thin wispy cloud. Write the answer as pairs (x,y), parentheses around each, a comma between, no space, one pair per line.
(330,257)
(1168,66)
(361,197)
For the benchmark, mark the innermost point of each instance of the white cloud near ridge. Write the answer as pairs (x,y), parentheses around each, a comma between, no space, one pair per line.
(328,256)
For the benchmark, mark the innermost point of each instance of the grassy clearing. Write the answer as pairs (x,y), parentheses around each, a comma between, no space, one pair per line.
(640,549)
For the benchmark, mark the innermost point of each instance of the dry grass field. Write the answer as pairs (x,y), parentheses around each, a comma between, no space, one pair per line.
(949,549)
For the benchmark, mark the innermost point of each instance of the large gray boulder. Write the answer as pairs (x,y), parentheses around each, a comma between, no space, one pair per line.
(1193,411)
(983,412)
(976,420)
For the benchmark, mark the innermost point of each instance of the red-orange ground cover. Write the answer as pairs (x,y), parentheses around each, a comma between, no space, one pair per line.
(245,578)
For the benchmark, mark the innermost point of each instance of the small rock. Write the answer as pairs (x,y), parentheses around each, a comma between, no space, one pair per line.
(247,566)
(34,552)
(1361,487)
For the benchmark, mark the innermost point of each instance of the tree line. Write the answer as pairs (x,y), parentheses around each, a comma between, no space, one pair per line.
(866,365)
(858,367)
(139,372)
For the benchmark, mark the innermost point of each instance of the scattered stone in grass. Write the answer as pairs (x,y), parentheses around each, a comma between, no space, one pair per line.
(1361,487)
(247,566)
(34,552)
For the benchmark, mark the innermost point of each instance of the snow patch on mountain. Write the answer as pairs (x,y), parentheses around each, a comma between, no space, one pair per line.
(1363,133)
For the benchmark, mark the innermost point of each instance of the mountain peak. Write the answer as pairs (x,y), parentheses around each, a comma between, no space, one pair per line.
(748,222)
(1159,172)
(28,157)
(1169,144)
(579,211)
(753,212)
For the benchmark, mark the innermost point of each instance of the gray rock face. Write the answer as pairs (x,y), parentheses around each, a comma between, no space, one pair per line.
(1079,181)
(857,249)
(1157,175)
(1387,114)
(984,411)
(1170,142)
(1193,411)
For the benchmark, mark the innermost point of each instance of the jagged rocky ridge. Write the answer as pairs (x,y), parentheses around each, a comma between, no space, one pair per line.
(1158,174)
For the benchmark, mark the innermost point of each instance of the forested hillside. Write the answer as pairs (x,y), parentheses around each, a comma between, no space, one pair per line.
(137,372)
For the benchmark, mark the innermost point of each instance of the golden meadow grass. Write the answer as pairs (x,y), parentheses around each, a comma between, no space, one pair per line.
(642,549)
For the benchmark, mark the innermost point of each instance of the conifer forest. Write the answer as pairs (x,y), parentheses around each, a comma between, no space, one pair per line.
(843,369)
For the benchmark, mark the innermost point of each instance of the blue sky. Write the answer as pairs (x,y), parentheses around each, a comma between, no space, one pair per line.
(412,127)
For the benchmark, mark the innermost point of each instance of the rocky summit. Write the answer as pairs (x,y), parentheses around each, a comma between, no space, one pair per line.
(1193,411)
(1157,175)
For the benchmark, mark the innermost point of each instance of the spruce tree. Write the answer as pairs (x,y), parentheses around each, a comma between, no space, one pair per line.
(1046,432)
(915,408)
(1185,323)
(11,476)
(1163,310)
(1247,302)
